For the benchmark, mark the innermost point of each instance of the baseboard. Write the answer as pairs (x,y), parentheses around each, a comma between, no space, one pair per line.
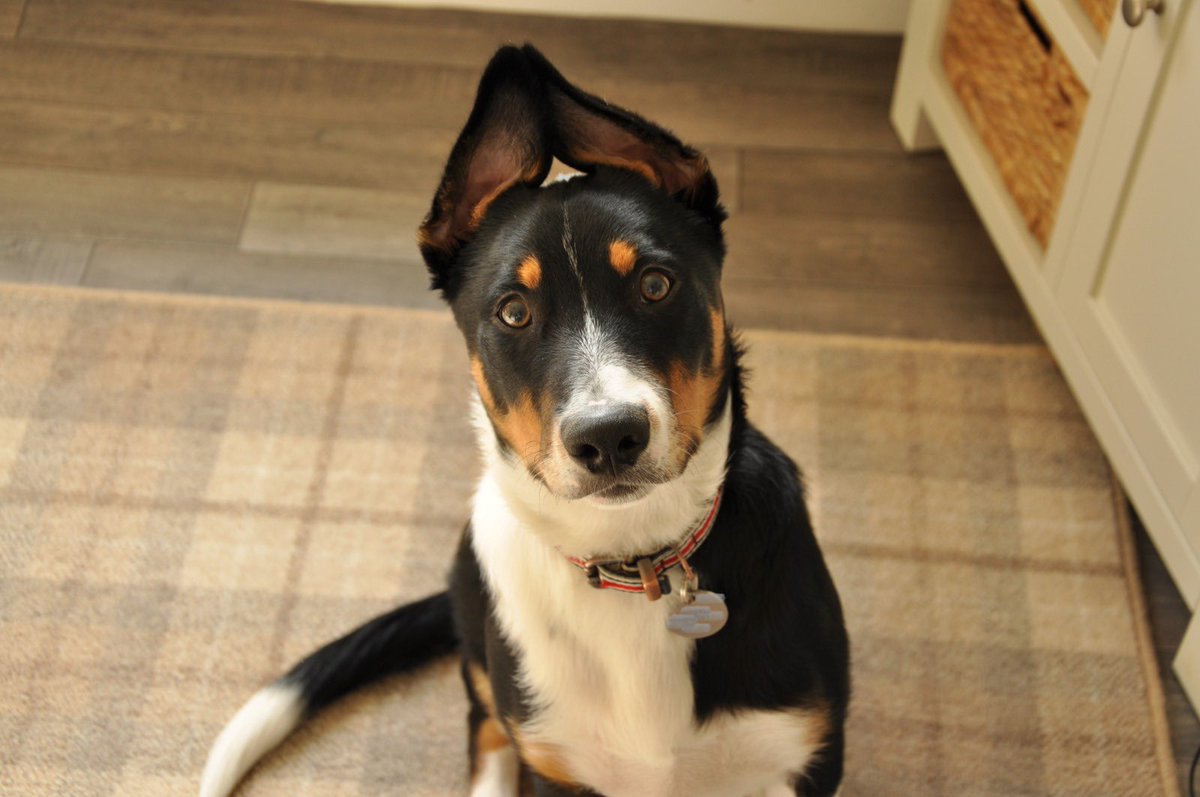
(860,16)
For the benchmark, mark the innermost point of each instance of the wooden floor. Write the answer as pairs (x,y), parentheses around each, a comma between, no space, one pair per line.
(289,150)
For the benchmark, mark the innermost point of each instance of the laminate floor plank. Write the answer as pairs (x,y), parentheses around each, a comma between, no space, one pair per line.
(227,146)
(870,252)
(222,270)
(974,316)
(921,188)
(45,202)
(55,261)
(414,98)
(342,222)
(613,48)
(754,117)
(10,17)
(405,96)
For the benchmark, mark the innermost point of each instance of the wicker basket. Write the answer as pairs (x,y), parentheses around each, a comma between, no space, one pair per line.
(1100,12)
(1022,97)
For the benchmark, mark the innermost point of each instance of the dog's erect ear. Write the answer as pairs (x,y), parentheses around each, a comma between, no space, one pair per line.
(526,112)
(589,132)
(503,144)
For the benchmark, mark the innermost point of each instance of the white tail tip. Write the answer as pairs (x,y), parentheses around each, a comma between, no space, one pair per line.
(262,723)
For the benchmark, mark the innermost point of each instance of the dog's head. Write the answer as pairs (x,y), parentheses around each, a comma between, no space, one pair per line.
(591,307)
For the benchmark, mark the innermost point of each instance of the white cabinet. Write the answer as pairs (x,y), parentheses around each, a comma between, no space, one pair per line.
(1117,290)
(1131,290)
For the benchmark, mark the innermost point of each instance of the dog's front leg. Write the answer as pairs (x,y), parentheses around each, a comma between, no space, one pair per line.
(495,769)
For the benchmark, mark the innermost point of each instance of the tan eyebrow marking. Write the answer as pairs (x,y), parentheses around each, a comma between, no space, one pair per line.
(529,273)
(622,256)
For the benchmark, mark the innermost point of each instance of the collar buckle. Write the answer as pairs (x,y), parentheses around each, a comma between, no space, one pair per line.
(648,574)
(652,581)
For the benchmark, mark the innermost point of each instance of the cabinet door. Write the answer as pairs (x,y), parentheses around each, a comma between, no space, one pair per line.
(1130,287)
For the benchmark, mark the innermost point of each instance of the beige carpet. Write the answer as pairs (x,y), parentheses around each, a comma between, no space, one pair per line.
(195,492)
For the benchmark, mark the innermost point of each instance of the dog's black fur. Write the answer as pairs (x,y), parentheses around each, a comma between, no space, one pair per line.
(785,645)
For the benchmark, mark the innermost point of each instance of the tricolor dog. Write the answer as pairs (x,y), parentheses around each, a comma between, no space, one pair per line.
(639,602)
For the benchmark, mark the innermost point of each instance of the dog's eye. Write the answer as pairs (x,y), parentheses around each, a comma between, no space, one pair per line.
(514,312)
(655,286)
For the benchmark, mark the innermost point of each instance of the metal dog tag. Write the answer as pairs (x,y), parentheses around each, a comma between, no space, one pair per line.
(703,614)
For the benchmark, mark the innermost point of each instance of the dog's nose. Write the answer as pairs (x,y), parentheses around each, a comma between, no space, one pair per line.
(609,439)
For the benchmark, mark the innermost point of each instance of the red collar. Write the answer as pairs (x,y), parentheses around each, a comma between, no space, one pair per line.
(648,573)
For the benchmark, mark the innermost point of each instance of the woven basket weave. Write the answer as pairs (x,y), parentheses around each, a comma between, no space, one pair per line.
(1100,12)
(1022,97)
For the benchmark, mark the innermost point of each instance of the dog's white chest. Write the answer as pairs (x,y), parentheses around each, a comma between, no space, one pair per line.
(612,688)
(731,756)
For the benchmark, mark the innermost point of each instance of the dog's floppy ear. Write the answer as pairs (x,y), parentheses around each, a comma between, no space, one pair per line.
(589,132)
(503,144)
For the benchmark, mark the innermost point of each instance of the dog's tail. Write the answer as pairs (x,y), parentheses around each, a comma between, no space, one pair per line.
(391,643)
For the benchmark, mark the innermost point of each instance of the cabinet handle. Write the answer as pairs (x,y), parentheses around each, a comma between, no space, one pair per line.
(1134,11)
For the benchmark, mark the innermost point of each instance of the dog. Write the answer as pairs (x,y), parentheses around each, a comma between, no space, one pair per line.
(638,599)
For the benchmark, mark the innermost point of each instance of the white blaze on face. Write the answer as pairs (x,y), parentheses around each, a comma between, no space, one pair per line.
(605,377)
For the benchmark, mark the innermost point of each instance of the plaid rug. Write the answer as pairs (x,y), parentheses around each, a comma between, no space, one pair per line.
(195,492)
